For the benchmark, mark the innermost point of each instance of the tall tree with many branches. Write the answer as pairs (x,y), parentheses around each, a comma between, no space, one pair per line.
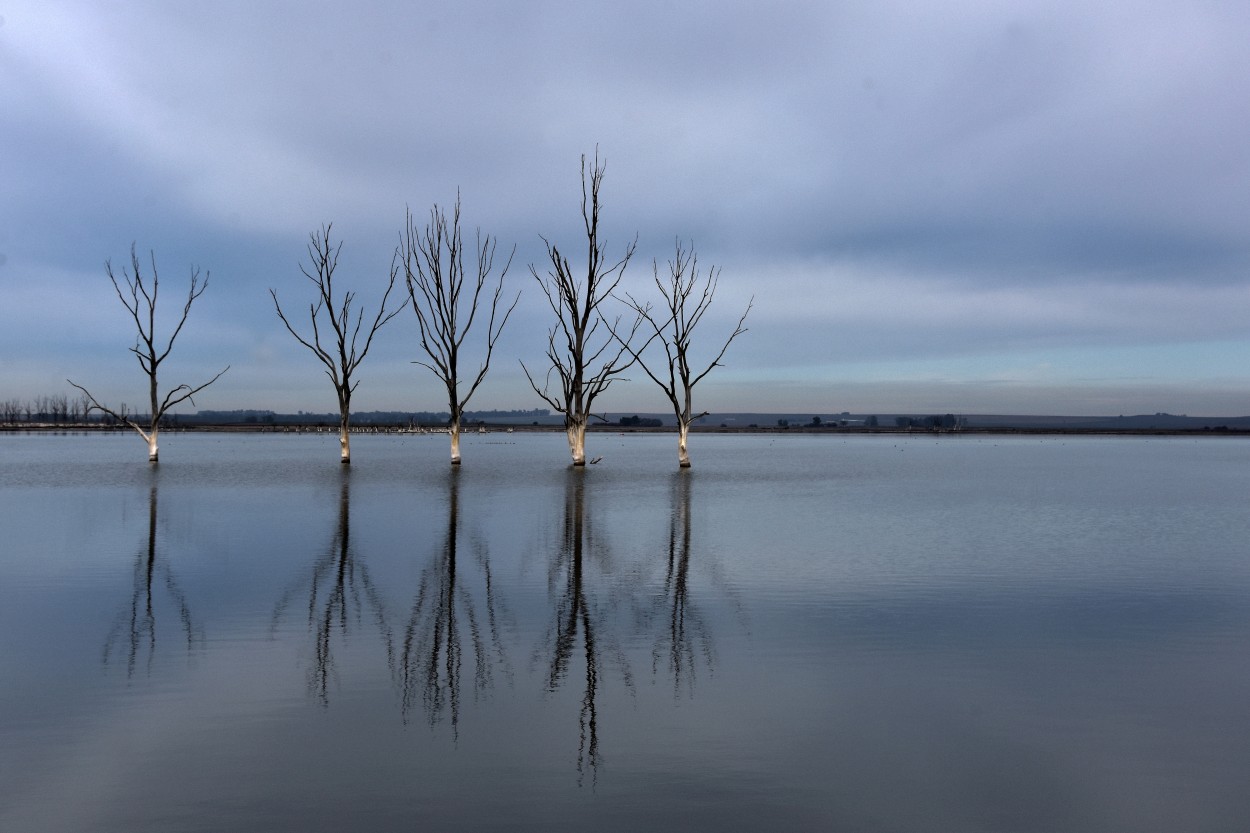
(337,328)
(584,348)
(433,262)
(139,298)
(686,299)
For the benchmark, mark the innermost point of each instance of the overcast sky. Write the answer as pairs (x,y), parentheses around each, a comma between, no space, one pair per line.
(994,207)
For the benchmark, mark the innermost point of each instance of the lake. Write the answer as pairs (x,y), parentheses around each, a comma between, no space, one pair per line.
(869,633)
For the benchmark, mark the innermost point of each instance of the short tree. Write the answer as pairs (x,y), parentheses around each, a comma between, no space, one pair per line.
(586,358)
(686,298)
(432,260)
(139,297)
(332,319)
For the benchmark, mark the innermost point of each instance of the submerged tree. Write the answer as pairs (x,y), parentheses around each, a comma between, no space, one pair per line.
(586,359)
(140,301)
(434,272)
(687,298)
(344,349)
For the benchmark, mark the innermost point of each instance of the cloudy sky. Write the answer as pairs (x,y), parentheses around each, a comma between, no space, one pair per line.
(995,207)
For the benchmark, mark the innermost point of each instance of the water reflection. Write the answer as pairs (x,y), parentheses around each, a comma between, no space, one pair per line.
(579,629)
(339,590)
(684,638)
(445,616)
(134,634)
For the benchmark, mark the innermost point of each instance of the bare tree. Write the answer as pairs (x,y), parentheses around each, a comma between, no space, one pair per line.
(344,334)
(84,407)
(140,301)
(687,298)
(58,404)
(433,263)
(586,359)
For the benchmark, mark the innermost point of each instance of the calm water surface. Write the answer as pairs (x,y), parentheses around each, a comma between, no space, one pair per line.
(801,633)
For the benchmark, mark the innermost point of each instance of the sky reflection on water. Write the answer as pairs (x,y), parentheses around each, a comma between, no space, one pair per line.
(798,633)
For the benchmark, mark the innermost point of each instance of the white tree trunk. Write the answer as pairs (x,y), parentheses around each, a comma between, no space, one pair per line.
(683,456)
(454,430)
(149,437)
(345,448)
(576,431)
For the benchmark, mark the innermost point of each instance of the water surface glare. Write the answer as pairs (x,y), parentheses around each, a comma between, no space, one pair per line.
(799,633)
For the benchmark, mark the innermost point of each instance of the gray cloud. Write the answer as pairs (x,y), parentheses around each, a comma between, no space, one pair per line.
(888,180)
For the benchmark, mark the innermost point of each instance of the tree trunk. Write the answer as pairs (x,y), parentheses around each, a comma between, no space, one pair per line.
(149,437)
(575,428)
(345,448)
(155,412)
(683,456)
(454,431)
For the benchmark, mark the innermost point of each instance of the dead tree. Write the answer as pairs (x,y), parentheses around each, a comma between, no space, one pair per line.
(332,320)
(687,298)
(432,260)
(140,301)
(581,346)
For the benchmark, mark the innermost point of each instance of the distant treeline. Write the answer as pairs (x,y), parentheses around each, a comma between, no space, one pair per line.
(413,418)
(59,409)
(64,410)
(636,421)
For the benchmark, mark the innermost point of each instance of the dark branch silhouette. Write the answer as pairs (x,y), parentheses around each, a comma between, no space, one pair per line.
(433,262)
(687,298)
(344,349)
(583,357)
(139,298)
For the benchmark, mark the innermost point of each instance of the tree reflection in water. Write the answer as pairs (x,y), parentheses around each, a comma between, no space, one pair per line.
(444,616)
(684,637)
(339,589)
(579,617)
(135,631)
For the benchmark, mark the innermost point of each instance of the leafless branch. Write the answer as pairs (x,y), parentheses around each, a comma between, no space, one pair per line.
(345,325)
(686,298)
(581,348)
(139,297)
(433,263)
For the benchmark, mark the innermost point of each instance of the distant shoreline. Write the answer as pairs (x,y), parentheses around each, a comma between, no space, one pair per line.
(496,428)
